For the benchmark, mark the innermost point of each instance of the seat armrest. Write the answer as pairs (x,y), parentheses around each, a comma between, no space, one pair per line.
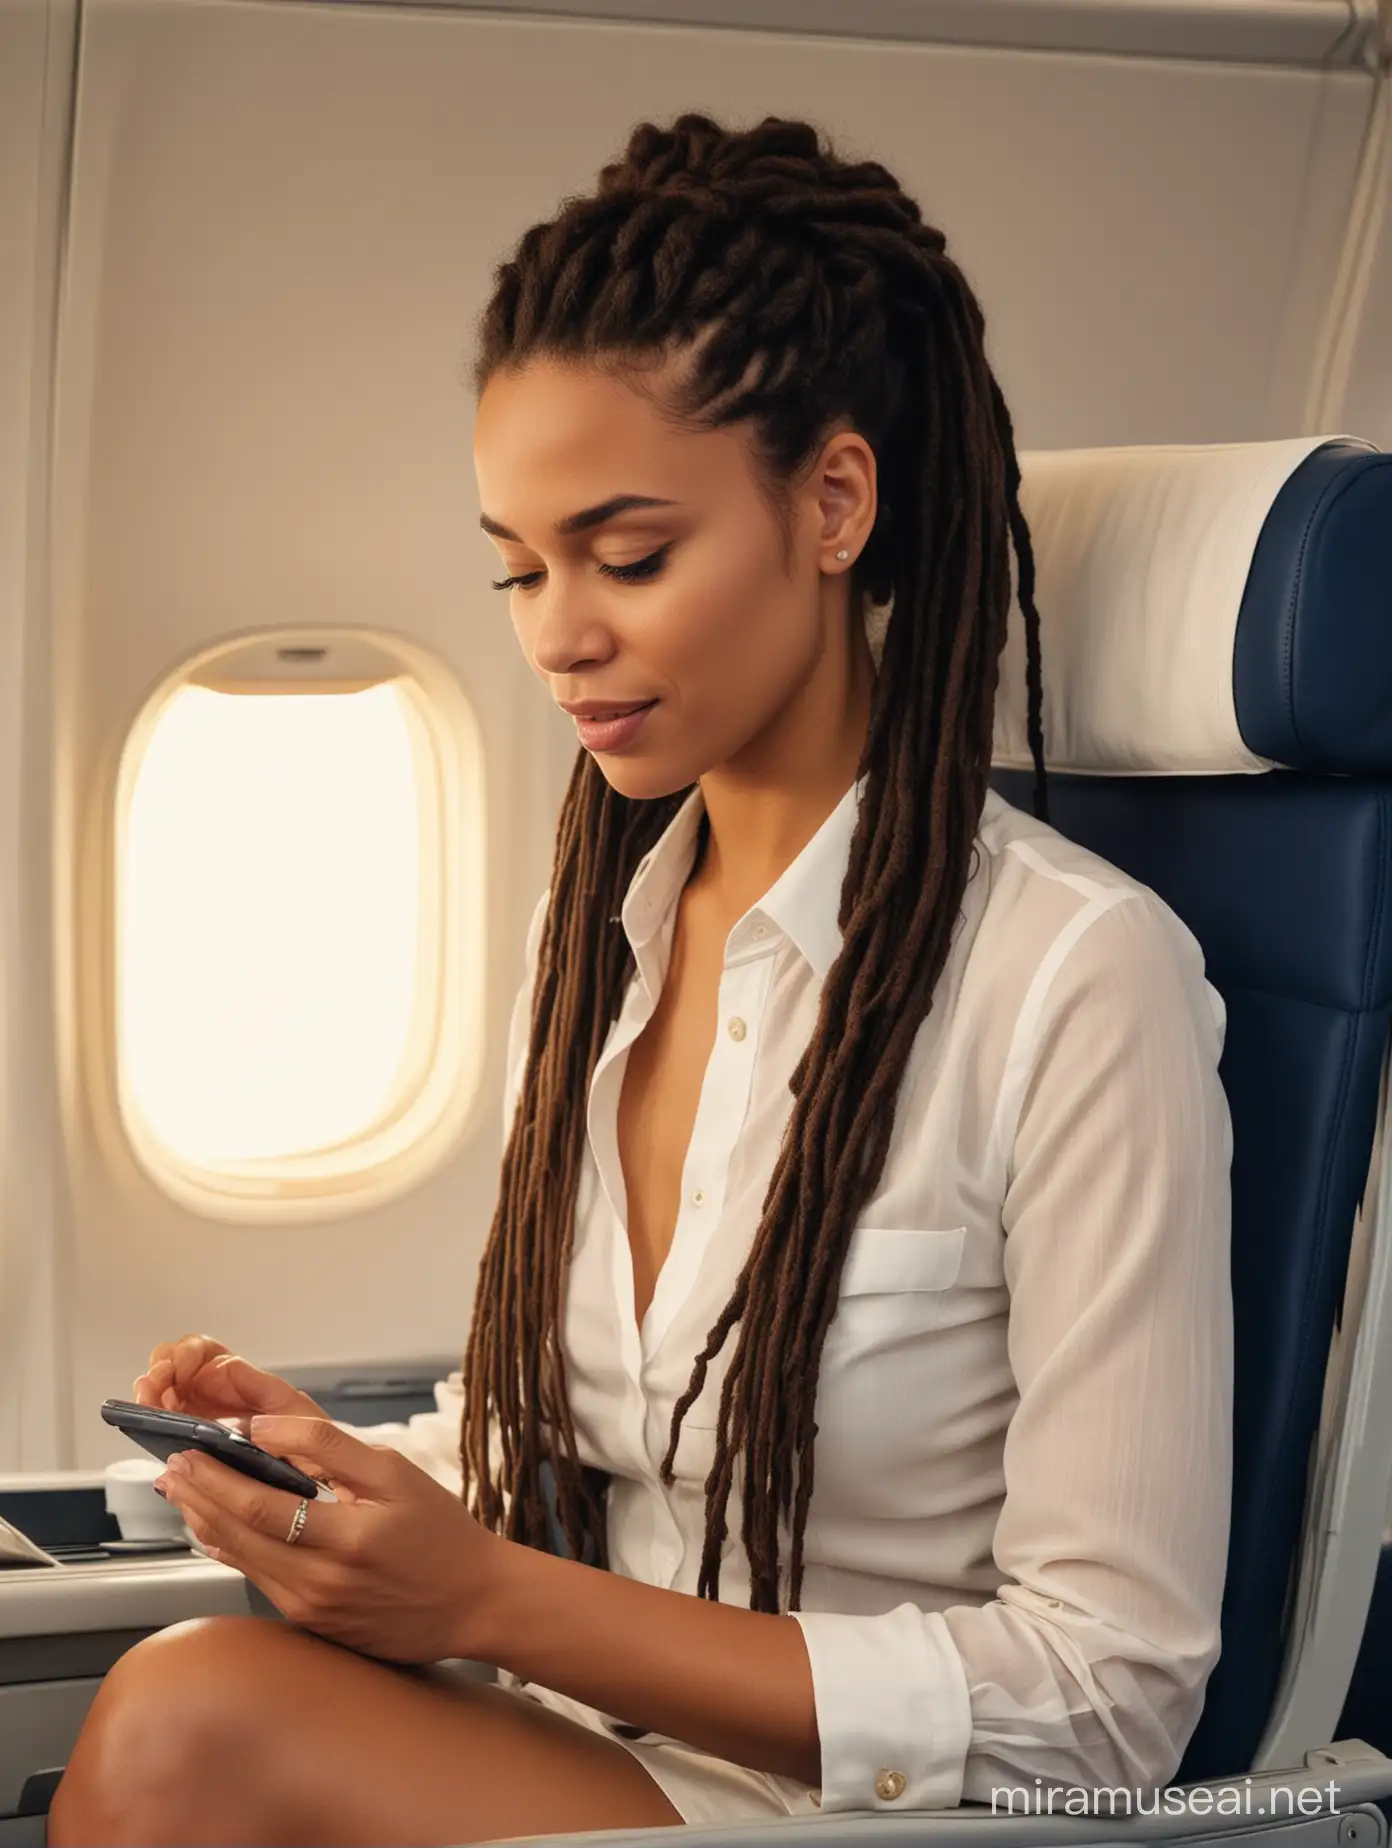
(1289,1806)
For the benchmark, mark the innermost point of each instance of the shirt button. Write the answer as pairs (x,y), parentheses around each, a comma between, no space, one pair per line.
(699,1197)
(890,1784)
(759,930)
(737,1028)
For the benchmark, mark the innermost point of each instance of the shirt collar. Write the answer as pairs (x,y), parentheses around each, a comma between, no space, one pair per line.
(803,901)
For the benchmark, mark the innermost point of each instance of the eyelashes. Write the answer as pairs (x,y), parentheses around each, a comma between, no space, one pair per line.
(641,568)
(638,572)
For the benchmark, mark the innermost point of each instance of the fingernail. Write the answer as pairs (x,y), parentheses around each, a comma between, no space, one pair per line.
(158,1490)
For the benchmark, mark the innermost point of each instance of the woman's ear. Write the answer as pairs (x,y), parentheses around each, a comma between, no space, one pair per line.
(845,485)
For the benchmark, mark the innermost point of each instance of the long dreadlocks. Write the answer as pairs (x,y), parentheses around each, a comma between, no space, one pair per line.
(808,289)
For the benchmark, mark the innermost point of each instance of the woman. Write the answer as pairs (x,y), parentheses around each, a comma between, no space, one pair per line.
(854,1119)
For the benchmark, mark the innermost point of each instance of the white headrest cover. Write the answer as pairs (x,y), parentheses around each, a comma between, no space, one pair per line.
(1141,558)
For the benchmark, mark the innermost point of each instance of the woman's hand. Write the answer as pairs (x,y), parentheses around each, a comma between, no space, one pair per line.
(198,1375)
(397,1568)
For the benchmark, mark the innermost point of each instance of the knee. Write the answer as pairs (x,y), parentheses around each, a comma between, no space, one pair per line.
(168,1738)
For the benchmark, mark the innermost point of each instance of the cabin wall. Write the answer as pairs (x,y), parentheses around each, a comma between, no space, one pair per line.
(1357,382)
(36,88)
(280,224)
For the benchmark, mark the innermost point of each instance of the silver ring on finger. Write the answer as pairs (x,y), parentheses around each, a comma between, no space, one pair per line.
(297,1524)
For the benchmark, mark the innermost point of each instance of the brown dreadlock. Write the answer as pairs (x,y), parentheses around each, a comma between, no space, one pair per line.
(818,280)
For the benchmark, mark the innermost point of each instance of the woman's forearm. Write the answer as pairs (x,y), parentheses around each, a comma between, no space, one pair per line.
(730,1681)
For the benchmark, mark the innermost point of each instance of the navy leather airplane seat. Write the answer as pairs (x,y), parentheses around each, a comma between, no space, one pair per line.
(1275,848)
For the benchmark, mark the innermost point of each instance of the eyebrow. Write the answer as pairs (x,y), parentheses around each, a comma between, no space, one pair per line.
(581,522)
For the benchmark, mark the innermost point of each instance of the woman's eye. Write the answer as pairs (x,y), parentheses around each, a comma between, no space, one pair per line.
(640,568)
(637,572)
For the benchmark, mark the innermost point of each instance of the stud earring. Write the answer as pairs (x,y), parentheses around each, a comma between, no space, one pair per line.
(843,553)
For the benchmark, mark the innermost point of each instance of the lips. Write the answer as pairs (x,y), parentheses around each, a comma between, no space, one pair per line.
(584,711)
(612,734)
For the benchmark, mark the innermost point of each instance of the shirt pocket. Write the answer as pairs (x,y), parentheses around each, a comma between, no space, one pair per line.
(895,1291)
(893,1285)
(913,1260)
(887,1385)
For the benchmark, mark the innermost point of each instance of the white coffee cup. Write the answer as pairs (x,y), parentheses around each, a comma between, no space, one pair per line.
(140,1513)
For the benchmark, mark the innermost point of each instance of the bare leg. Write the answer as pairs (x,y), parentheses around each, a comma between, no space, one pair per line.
(237,1730)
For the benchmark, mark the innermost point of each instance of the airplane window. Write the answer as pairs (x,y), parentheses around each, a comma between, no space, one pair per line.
(280,948)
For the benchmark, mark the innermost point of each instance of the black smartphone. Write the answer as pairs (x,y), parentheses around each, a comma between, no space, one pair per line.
(162,1433)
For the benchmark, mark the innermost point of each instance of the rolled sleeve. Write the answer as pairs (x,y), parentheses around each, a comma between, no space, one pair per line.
(892,1698)
(429,1439)
(1087,1669)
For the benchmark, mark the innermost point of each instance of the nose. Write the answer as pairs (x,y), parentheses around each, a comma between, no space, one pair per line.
(563,633)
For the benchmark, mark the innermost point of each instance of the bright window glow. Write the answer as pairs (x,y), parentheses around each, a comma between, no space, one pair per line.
(270,914)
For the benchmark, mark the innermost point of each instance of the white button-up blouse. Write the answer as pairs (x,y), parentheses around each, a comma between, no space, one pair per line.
(1015,1551)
